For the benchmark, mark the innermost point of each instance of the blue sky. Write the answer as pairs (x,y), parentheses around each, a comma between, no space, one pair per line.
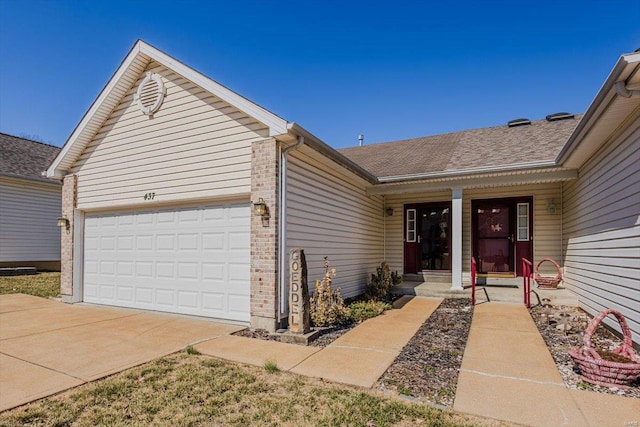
(389,70)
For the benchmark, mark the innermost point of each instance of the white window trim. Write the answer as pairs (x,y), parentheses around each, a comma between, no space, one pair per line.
(412,222)
(518,222)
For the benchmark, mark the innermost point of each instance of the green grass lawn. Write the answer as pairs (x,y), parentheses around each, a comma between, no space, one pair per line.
(192,390)
(41,285)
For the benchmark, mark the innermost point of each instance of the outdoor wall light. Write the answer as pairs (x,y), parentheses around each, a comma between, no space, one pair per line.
(389,211)
(551,207)
(260,208)
(63,222)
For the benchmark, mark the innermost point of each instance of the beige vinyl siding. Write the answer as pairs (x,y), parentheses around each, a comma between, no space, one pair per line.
(602,230)
(330,214)
(28,228)
(546,227)
(195,147)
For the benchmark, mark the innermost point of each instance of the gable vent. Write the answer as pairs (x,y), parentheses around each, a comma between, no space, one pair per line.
(559,116)
(518,122)
(150,94)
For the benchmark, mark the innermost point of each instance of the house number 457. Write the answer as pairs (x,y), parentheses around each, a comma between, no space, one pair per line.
(150,196)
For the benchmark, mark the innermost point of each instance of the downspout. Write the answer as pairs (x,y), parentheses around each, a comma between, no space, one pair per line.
(622,90)
(282,224)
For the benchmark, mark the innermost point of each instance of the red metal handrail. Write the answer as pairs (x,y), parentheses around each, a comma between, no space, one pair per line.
(473,281)
(527,267)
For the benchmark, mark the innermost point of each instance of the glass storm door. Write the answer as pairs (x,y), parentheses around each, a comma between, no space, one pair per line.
(427,237)
(493,236)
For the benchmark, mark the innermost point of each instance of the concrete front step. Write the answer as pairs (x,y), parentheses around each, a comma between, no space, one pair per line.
(505,291)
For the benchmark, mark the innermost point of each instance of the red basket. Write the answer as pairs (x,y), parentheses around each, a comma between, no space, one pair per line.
(547,282)
(597,370)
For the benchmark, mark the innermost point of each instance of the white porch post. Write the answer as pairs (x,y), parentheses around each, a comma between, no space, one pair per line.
(456,239)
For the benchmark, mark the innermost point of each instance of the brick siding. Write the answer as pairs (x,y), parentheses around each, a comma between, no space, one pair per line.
(264,235)
(69,201)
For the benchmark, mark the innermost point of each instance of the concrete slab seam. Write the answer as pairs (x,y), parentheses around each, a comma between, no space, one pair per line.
(45,367)
(303,360)
(71,327)
(484,374)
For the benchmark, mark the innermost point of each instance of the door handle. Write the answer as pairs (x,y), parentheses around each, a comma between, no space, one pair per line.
(418,238)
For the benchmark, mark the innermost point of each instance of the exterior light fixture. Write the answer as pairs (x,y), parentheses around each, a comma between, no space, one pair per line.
(389,211)
(551,207)
(63,222)
(260,208)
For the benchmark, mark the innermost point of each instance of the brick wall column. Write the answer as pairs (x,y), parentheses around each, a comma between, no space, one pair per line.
(264,235)
(69,202)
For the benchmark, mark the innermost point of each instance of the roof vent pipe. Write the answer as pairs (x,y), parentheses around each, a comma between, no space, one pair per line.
(360,139)
(621,88)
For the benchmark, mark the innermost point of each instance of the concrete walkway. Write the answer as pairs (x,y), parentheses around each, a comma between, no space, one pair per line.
(508,374)
(358,358)
(47,347)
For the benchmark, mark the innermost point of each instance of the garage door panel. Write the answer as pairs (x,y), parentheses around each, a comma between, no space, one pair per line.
(191,260)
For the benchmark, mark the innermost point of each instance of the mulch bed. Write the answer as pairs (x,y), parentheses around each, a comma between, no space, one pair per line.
(559,343)
(427,367)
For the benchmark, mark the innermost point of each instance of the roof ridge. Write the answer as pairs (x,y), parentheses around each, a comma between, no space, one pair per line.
(577,116)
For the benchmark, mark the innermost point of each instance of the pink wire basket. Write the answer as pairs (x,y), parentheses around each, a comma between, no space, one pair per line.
(595,369)
(547,282)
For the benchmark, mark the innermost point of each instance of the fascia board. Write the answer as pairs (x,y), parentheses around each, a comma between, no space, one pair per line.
(321,147)
(466,172)
(54,170)
(277,125)
(474,181)
(603,99)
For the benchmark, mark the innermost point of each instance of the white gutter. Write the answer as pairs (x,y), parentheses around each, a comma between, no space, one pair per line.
(462,172)
(282,224)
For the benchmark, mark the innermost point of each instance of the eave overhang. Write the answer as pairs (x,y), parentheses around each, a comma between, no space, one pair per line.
(475,179)
(606,116)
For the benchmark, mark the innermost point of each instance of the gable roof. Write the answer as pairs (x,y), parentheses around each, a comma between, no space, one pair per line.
(24,158)
(475,150)
(124,77)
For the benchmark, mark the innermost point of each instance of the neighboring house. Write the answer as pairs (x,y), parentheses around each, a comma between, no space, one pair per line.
(29,205)
(165,173)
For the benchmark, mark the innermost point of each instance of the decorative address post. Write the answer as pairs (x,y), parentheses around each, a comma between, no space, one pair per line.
(299,306)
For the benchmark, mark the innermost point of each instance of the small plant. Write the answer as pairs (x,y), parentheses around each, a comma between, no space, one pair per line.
(191,350)
(382,281)
(363,310)
(327,305)
(271,367)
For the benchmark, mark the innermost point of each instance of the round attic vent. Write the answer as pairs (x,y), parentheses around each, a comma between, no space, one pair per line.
(150,94)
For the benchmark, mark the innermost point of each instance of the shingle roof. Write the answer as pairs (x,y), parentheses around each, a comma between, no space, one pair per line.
(23,158)
(486,147)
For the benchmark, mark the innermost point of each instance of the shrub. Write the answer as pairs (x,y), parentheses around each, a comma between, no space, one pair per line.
(381,283)
(363,310)
(327,305)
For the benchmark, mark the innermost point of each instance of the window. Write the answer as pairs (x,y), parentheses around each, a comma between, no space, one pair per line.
(411,225)
(523,222)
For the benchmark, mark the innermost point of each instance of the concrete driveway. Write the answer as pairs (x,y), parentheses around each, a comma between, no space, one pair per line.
(47,346)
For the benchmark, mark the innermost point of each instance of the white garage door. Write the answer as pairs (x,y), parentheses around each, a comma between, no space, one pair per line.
(188,260)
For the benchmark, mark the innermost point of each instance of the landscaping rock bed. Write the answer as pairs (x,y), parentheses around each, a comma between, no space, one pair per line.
(427,367)
(327,334)
(559,343)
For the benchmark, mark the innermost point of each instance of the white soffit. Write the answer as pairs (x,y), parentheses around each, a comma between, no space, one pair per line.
(123,79)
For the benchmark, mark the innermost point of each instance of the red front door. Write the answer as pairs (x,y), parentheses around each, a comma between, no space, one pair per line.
(502,234)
